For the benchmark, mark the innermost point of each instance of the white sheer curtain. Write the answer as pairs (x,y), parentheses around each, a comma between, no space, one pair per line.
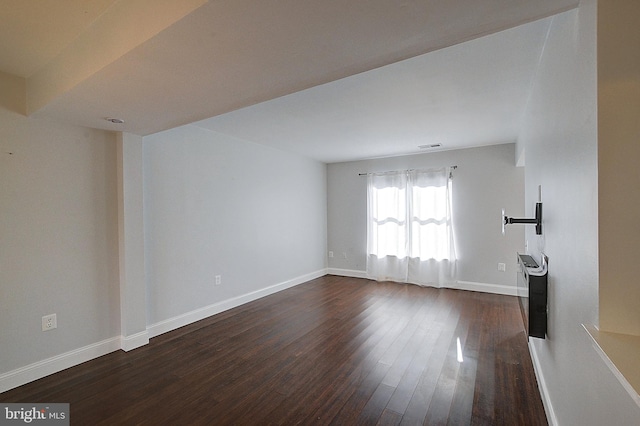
(409,227)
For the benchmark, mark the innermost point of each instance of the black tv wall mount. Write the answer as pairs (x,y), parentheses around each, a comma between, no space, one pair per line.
(535,221)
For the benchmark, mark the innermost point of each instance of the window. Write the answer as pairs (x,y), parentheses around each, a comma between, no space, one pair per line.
(389,224)
(409,225)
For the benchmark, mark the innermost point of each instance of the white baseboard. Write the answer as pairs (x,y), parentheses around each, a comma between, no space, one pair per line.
(542,386)
(207,311)
(507,290)
(128,343)
(457,285)
(63,361)
(347,273)
(40,369)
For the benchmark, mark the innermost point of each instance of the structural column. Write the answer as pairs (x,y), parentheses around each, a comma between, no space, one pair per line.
(133,312)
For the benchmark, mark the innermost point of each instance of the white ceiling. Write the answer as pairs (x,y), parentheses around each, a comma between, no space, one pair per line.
(32,33)
(470,94)
(343,80)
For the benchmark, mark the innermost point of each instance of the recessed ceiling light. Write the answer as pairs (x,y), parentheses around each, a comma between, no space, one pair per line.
(115,120)
(430,146)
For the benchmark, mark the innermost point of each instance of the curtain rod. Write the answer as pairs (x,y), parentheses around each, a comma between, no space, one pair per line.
(408,170)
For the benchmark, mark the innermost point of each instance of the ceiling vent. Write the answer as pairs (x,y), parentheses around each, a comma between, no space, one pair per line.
(430,146)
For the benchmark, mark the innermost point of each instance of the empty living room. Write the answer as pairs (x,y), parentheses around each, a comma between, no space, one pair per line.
(293,212)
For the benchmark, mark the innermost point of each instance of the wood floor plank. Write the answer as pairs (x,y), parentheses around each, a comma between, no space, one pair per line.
(334,350)
(376,404)
(349,380)
(440,405)
(409,381)
(389,418)
(427,386)
(462,400)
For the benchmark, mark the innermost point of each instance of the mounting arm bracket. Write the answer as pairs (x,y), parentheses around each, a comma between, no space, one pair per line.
(535,221)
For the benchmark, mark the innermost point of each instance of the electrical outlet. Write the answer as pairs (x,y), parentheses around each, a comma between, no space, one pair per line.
(218,279)
(502,267)
(49,322)
(330,254)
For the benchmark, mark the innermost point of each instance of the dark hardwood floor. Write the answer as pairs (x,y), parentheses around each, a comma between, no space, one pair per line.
(334,350)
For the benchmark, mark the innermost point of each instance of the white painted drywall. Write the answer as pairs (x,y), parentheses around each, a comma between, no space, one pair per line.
(58,238)
(215,205)
(619,165)
(560,139)
(133,315)
(486,181)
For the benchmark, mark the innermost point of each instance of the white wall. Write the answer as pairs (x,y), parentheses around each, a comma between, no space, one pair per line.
(212,206)
(560,144)
(486,181)
(58,238)
(220,206)
(618,154)
(133,289)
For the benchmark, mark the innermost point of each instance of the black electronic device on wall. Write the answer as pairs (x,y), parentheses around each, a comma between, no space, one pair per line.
(532,294)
